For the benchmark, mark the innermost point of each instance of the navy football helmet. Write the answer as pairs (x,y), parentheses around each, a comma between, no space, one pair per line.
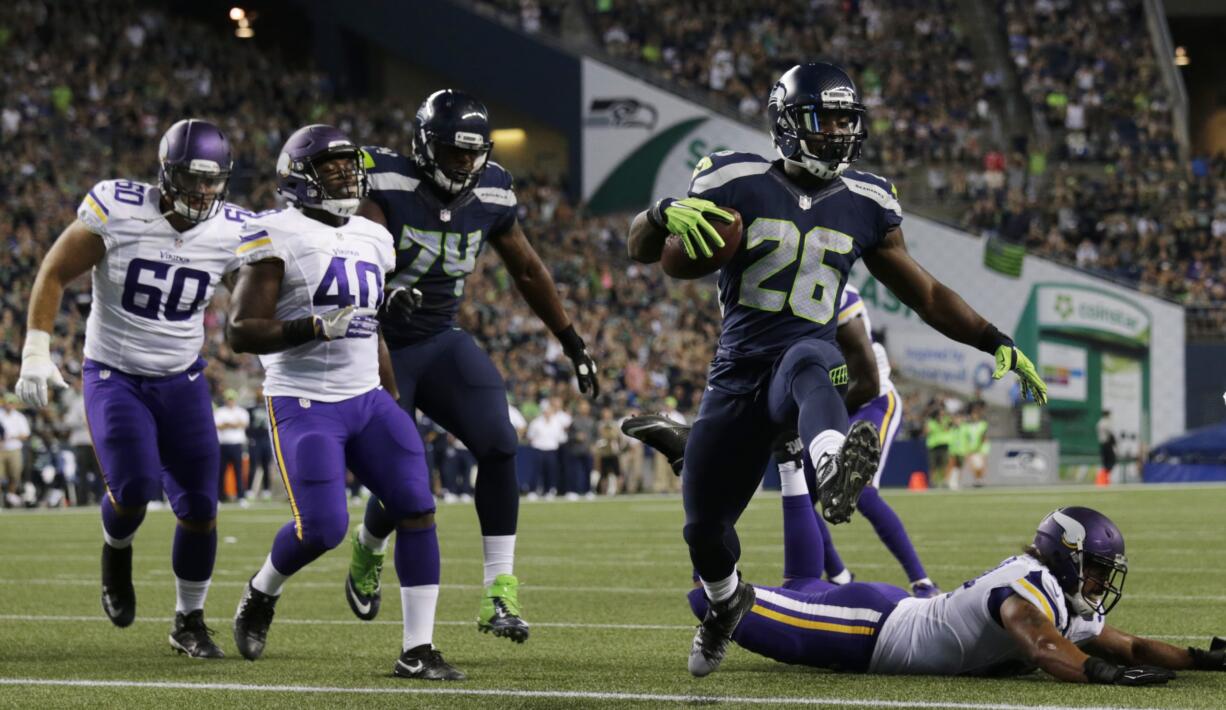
(1084,550)
(299,179)
(817,120)
(194,166)
(451,140)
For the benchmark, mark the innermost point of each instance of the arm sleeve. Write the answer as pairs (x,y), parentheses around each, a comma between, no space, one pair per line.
(850,305)
(256,243)
(1041,589)
(707,185)
(95,211)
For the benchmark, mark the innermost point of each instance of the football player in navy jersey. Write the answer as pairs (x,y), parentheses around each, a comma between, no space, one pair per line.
(442,202)
(808,218)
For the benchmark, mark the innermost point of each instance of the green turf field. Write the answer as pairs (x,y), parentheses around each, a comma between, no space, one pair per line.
(603,585)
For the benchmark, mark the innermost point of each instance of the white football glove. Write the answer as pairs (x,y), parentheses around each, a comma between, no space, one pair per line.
(347,322)
(37,370)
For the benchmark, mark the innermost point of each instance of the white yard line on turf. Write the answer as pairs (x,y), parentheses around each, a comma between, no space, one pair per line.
(307,584)
(649,501)
(555,694)
(66,618)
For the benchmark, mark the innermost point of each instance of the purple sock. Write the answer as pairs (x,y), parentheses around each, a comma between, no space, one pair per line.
(834,563)
(193,554)
(803,541)
(119,526)
(891,531)
(289,554)
(417,556)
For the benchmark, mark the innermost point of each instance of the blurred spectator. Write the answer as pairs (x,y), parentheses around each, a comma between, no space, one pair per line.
(16,430)
(579,458)
(610,443)
(260,469)
(232,422)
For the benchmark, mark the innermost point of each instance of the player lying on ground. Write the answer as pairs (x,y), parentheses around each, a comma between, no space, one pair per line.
(444,201)
(156,253)
(1045,608)
(809,219)
(870,397)
(306,302)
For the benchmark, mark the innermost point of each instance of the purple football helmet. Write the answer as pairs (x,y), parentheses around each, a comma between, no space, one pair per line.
(298,177)
(1083,546)
(195,165)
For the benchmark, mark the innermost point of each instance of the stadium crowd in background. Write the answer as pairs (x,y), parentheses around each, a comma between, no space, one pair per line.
(73,114)
(1109,195)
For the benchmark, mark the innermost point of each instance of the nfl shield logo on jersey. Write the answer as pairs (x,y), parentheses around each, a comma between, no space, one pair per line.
(805,202)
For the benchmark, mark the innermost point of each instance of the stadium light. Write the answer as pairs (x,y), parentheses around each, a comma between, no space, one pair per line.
(508,136)
(1181,57)
(237,13)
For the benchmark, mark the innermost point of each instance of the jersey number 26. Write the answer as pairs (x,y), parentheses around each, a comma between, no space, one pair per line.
(811,274)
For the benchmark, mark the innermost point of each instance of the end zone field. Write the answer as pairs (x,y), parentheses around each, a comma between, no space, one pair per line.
(603,585)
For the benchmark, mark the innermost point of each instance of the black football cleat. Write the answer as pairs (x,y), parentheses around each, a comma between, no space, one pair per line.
(425,662)
(191,636)
(662,434)
(841,478)
(118,594)
(251,621)
(715,632)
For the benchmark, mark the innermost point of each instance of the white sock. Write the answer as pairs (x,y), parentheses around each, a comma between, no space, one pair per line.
(828,442)
(370,542)
(499,553)
(117,543)
(418,604)
(189,596)
(268,580)
(925,580)
(721,590)
(843,577)
(793,479)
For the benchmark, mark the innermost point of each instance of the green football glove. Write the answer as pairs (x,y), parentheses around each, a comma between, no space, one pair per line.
(688,219)
(1009,358)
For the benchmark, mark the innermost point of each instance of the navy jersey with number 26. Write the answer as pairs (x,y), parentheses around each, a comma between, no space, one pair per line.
(784,284)
(437,243)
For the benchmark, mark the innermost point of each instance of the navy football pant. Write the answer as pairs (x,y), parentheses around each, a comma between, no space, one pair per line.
(452,381)
(730,443)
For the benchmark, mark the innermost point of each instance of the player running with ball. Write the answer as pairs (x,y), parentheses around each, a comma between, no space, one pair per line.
(776,365)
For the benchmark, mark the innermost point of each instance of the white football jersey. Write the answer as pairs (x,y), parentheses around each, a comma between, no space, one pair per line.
(851,306)
(151,288)
(959,633)
(325,268)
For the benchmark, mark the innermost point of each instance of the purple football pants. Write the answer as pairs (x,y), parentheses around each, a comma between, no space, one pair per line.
(155,433)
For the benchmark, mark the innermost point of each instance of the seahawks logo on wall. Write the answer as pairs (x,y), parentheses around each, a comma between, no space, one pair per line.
(621,113)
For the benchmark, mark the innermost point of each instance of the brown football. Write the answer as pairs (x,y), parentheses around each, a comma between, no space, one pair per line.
(676,264)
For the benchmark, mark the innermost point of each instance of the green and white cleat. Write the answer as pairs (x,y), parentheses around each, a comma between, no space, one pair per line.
(500,610)
(363,586)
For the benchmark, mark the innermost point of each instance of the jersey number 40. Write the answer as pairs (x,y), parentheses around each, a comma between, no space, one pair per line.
(812,272)
(335,287)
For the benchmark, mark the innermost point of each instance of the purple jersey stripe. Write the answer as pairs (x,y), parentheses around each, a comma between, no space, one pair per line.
(100,203)
(251,237)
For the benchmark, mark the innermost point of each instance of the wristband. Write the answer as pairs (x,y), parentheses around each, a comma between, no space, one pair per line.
(655,215)
(1099,671)
(991,339)
(298,331)
(38,342)
(570,340)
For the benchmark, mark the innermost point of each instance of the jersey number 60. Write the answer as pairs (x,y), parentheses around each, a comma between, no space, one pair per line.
(175,309)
